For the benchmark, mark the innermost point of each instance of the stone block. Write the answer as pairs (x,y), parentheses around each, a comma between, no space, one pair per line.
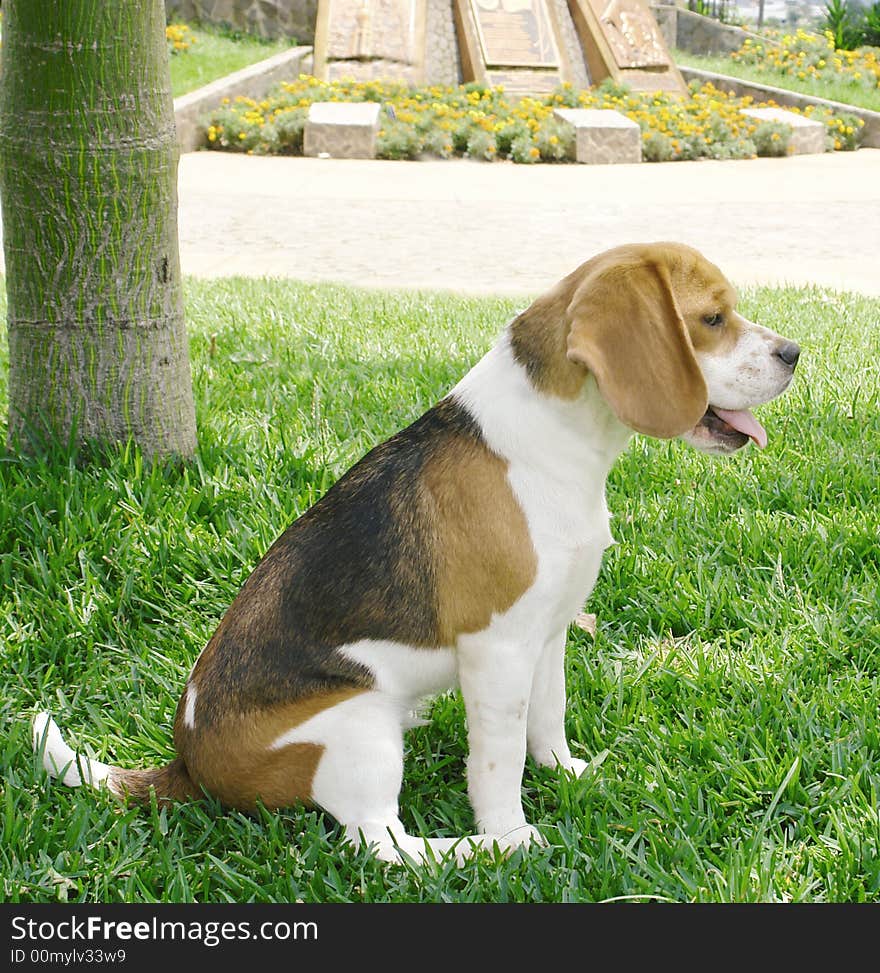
(342,130)
(603,136)
(807,135)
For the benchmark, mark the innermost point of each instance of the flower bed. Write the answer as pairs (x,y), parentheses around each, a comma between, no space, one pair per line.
(803,62)
(478,122)
(180,38)
(803,55)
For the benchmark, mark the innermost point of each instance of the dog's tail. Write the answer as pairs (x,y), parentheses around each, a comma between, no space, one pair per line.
(170,783)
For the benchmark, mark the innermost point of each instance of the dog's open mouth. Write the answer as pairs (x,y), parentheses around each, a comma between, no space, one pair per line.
(732,429)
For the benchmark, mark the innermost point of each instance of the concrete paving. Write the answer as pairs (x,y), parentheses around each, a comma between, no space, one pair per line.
(501,228)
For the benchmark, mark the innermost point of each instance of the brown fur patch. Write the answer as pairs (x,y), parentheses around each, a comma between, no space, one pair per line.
(170,783)
(627,330)
(701,290)
(718,340)
(621,299)
(483,554)
(234,761)
(539,337)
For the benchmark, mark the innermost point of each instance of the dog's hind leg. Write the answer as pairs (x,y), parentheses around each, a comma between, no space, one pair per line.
(359,775)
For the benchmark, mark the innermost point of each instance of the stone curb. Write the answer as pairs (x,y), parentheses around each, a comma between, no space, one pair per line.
(253,81)
(342,130)
(603,136)
(698,34)
(766,92)
(807,135)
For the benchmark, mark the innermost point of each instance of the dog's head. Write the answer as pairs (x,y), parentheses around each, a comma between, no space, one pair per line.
(656,326)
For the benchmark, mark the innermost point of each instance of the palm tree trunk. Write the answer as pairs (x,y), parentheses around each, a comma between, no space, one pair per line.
(88,179)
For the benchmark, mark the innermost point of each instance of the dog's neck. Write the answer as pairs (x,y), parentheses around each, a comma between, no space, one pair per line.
(574,438)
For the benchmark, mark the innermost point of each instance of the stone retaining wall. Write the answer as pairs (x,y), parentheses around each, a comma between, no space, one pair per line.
(265,18)
(689,31)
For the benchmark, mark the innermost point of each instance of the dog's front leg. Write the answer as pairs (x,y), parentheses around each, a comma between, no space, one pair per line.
(495,682)
(547,742)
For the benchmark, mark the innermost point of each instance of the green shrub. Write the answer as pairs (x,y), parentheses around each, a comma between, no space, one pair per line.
(179,38)
(850,28)
(481,144)
(657,147)
(510,131)
(524,150)
(286,131)
(735,148)
(609,88)
(842,25)
(772,138)
(398,140)
(871,25)
(844,131)
(555,141)
(460,133)
(437,141)
(567,96)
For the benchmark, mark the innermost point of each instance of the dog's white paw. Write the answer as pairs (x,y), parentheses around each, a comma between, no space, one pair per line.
(575,766)
(523,837)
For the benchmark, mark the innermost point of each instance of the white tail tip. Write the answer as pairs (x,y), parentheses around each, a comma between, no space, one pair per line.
(60,760)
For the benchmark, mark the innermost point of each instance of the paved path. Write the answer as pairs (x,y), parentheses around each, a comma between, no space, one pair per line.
(512,229)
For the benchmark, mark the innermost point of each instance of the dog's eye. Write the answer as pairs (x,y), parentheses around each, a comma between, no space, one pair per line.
(713,320)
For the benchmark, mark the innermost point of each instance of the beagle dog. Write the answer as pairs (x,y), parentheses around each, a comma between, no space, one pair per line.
(457,553)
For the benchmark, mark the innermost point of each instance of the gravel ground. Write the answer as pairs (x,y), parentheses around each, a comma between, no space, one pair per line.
(501,228)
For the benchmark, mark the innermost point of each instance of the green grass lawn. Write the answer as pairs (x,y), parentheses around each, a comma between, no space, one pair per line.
(845,91)
(728,703)
(215,54)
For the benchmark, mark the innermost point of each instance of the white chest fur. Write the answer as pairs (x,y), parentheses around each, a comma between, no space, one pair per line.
(559,453)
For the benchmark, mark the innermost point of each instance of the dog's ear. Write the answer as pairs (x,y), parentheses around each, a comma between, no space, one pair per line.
(626,328)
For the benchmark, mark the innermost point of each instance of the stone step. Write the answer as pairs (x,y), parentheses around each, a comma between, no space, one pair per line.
(807,135)
(603,136)
(342,130)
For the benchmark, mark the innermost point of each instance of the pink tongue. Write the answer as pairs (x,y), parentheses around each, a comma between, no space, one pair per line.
(745,423)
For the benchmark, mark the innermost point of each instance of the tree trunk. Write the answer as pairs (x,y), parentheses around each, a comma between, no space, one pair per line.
(98,348)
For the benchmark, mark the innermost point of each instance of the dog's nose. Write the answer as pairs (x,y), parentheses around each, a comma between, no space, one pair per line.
(788,352)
